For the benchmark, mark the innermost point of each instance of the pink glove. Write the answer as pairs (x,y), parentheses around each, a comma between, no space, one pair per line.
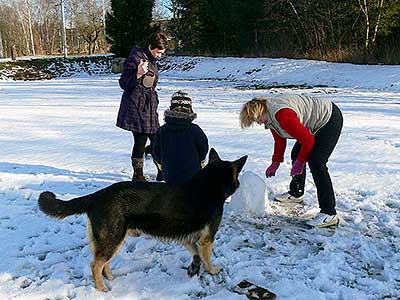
(271,170)
(297,168)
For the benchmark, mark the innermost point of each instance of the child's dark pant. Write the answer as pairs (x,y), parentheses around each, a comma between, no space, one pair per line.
(325,141)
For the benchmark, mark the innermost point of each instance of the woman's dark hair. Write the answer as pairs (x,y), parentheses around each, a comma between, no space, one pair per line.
(157,40)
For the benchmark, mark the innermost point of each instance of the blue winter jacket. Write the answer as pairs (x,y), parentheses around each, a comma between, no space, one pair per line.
(179,147)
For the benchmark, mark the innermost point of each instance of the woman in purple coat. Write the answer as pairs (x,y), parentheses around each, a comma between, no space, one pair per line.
(139,103)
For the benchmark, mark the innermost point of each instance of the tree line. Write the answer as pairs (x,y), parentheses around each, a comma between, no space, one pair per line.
(337,30)
(362,31)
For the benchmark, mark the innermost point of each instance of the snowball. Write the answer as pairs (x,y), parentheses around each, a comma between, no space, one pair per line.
(250,196)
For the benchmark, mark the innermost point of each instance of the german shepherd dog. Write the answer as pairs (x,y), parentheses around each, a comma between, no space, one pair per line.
(188,213)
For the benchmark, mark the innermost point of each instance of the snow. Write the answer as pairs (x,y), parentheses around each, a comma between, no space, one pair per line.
(60,135)
(283,71)
(250,197)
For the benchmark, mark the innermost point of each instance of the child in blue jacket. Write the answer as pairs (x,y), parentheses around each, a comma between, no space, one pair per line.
(180,147)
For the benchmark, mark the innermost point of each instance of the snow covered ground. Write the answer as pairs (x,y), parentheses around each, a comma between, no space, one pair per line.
(60,136)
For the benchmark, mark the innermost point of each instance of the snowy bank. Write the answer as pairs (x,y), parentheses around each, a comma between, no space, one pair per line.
(39,68)
(253,73)
(278,72)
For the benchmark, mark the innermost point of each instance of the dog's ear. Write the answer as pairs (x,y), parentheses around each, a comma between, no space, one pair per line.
(213,156)
(240,163)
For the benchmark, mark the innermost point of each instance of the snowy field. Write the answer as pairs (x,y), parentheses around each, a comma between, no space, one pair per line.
(60,135)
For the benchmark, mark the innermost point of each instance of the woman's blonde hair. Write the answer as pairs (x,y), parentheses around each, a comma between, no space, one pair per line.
(252,110)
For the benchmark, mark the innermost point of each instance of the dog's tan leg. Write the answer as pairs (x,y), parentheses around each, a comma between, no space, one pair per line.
(205,245)
(107,271)
(104,249)
(205,251)
(97,266)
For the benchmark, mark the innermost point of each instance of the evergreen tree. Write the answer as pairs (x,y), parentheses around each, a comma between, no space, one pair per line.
(186,25)
(128,24)
(217,26)
(225,26)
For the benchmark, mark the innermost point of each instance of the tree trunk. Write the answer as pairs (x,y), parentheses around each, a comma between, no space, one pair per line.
(378,21)
(28,7)
(1,46)
(23,29)
(364,9)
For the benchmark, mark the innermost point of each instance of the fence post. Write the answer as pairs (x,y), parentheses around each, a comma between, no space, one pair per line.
(13,52)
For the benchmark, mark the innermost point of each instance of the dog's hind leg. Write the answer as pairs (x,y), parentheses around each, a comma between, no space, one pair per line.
(194,267)
(104,246)
(107,271)
(101,263)
(97,266)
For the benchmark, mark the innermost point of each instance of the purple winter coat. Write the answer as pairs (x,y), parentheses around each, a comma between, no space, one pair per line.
(138,108)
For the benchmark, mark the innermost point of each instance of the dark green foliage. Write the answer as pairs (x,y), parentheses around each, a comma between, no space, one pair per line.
(325,29)
(128,24)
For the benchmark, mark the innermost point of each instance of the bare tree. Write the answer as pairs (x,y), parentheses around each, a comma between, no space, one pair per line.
(23,9)
(47,17)
(373,12)
(12,34)
(29,19)
(1,39)
(87,18)
(1,46)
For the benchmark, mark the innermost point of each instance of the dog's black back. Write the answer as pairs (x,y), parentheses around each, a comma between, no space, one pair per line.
(157,209)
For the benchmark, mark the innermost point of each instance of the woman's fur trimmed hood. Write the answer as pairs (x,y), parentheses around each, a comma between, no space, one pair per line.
(180,114)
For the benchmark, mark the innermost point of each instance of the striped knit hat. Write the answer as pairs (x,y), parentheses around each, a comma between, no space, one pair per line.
(181,99)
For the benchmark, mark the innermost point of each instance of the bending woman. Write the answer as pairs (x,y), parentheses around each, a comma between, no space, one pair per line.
(316,125)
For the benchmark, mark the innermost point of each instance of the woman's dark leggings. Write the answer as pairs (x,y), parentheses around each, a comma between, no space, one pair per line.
(139,143)
(325,141)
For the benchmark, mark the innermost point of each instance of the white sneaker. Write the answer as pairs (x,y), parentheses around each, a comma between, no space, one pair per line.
(287,198)
(323,220)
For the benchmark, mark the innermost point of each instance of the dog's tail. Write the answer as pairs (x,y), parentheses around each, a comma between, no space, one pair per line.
(50,205)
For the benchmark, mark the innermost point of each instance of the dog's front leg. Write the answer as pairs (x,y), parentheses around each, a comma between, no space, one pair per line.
(205,251)
(194,267)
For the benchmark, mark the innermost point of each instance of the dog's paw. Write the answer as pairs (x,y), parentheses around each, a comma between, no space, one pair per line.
(214,270)
(102,288)
(193,269)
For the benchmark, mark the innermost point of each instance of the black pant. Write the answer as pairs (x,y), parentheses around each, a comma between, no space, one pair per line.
(139,143)
(325,141)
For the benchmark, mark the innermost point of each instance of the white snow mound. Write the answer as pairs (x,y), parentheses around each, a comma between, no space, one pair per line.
(250,197)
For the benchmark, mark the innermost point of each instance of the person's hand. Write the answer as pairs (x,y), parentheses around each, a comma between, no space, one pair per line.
(297,168)
(271,170)
(143,67)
